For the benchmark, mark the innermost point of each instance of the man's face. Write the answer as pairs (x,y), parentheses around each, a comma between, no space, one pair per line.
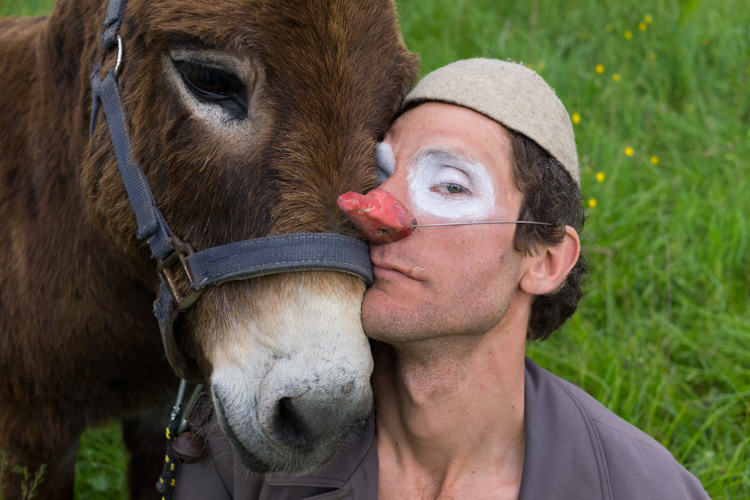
(448,164)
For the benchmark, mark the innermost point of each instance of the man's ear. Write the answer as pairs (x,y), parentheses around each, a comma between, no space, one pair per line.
(547,271)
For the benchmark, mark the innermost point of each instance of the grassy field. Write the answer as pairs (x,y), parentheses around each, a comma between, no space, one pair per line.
(660,101)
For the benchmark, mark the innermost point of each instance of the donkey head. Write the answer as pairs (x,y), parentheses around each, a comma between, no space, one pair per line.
(250,118)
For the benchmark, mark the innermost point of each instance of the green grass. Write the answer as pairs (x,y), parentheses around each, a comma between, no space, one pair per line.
(101,465)
(20,8)
(662,335)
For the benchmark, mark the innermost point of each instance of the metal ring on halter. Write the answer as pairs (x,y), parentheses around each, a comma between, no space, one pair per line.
(118,64)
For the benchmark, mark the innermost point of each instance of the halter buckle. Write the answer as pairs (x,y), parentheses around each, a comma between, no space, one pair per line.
(174,270)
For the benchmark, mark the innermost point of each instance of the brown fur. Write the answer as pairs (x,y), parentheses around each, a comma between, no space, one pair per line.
(78,342)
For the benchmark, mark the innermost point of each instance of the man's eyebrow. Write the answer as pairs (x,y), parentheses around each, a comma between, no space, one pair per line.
(443,155)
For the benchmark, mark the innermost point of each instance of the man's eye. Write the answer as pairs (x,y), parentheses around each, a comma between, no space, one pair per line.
(449,189)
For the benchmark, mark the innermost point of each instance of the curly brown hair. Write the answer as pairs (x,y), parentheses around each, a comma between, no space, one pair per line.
(550,195)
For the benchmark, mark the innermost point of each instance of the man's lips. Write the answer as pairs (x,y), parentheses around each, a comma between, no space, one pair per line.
(387,272)
(387,269)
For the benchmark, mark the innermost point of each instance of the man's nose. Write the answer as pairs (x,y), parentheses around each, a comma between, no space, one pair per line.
(380,216)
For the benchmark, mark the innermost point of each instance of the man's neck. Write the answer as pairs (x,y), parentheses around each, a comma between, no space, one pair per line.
(451,417)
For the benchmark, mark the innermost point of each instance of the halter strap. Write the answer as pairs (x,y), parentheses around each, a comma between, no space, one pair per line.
(115,10)
(213,266)
(280,253)
(151,224)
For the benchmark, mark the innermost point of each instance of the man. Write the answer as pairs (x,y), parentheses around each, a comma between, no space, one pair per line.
(483,157)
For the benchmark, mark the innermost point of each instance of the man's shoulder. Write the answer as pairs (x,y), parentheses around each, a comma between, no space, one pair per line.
(607,423)
(619,460)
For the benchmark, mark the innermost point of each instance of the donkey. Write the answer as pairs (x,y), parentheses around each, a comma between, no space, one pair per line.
(249,118)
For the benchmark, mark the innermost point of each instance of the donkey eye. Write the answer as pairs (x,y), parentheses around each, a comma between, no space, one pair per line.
(215,85)
(207,81)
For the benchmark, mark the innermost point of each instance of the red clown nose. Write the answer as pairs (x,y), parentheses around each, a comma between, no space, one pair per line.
(380,216)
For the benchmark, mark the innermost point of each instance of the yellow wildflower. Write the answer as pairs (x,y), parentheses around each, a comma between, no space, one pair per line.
(592,202)
(648,18)
(654,160)
(628,35)
(576,118)
(629,151)
(600,177)
(616,77)
(600,68)
(609,27)
(642,26)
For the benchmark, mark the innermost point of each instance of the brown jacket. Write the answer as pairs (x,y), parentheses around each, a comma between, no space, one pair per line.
(575,449)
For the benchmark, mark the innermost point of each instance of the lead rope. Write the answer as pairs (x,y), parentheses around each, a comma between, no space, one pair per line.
(166,482)
(178,422)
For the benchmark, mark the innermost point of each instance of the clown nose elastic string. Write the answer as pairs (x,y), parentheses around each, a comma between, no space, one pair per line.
(484,222)
(383,219)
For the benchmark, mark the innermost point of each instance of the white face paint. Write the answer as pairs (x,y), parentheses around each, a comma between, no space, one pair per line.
(386,162)
(449,186)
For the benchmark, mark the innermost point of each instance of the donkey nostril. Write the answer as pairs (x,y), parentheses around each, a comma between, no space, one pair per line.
(290,424)
(286,412)
(303,416)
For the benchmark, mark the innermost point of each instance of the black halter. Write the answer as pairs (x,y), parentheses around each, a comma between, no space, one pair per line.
(213,266)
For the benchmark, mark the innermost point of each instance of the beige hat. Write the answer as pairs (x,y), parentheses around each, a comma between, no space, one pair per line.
(509,93)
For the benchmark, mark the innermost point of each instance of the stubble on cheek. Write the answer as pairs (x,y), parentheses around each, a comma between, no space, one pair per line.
(393,316)
(470,303)
(397,316)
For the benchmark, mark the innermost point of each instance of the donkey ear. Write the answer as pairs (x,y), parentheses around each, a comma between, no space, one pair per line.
(549,269)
